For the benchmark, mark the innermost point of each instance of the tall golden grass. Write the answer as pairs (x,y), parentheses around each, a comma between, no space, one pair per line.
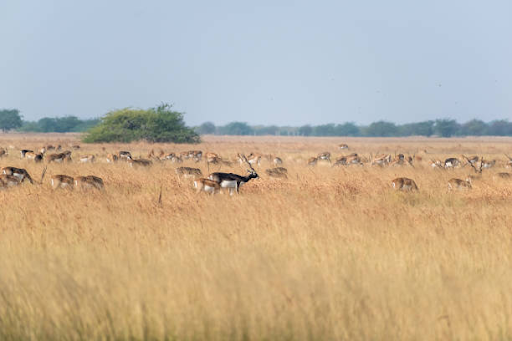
(328,254)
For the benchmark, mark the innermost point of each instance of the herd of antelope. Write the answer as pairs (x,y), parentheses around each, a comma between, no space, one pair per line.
(218,181)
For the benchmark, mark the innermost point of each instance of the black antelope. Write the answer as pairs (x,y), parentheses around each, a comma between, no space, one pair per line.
(19,173)
(458,184)
(87,158)
(404,184)
(62,181)
(23,152)
(7,181)
(278,172)
(59,157)
(124,155)
(89,181)
(139,162)
(234,181)
(206,185)
(188,172)
(451,162)
(37,157)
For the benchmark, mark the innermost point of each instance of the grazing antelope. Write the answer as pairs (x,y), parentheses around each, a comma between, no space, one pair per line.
(112,158)
(60,157)
(343,146)
(502,176)
(212,157)
(458,184)
(19,173)
(139,162)
(23,152)
(206,185)
(381,160)
(124,155)
(325,156)
(451,162)
(196,155)
(278,172)
(87,158)
(7,181)
(3,152)
(62,181)
(233,181)
(404,184)
(277,161)
(188,172)
(312,161)
(89,181)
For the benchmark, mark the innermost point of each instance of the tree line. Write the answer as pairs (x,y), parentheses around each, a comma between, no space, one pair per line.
(10,119)
(441,127)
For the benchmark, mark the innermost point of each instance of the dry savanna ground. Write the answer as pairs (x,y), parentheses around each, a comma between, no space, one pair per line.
(331,253)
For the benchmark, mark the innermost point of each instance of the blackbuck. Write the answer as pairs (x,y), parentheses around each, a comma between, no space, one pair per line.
(401,160)
(59,157)
(324,156)
(188,172)
(62,181)
(212,158)
(509,162)
(487,164)
(3,152)
(87,158)
(233,182)
(343,146)
(277,172)
(451,162)
(74,146)
(471,160)
(472,164)
(89,181)
(352,159)
(436,164)
(23,152)
(124,155)
(404,184)
(277,161)
(7,181)
(502,176)
(19,173)
(381,160)
(195,155)
(37,157)
(160,155)
(112,158)
(254,158)
(458,184)
(312,161)
(139,162)
(206,185)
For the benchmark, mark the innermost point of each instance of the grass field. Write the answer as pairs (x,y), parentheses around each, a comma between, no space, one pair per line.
(327,254)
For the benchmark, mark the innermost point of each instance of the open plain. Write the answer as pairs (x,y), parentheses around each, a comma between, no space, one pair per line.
(328,253)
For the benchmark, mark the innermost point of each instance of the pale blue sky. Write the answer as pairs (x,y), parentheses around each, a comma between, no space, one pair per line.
(262,62)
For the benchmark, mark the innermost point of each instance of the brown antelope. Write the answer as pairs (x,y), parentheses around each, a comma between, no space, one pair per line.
(352,159)
(404,184)
(188,172)
(33,156)
(206,185)
(471,160)
(343,146)
(59,157)
(436,164)
(89,181)
(196,155)
(87,158)
(325,156)
(312,161)
(277,161)
(139,162)
(3,152)
(211,157)
(254,159)
(19,173)
(381,160)
(73,146)
(509,163)
(112,158)
(487,164)
(153,155)
(7,181)
(278,172)
(458,184)
(62,181)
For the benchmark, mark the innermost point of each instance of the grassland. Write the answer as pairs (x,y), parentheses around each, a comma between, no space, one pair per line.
(328,254)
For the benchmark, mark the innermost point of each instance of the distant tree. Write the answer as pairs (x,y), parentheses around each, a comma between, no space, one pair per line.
(417,129)
(159,124)
(206,128)
(382,129)
(236,128)
(306,130)
(10,119)
(474,128)
(500,128)
(446,127)
(347,129)
(324,130)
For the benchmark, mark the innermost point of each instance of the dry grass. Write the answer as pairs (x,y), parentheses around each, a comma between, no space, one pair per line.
(328,254)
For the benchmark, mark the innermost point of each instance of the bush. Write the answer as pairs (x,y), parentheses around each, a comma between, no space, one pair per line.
(159,124)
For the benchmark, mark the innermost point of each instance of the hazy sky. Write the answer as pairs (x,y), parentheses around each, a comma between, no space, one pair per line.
(262,62)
